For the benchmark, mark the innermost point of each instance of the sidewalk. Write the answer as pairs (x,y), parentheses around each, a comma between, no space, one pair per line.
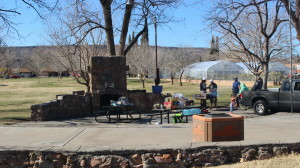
(86,135)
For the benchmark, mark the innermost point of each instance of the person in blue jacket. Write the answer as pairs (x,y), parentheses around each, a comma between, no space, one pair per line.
(235,90)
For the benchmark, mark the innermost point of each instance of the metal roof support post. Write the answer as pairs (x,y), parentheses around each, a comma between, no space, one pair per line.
(291,55)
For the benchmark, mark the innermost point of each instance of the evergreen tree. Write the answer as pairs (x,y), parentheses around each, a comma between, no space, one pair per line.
(145,36)
(212,45)
(217,44)
(132,37)
(129,39)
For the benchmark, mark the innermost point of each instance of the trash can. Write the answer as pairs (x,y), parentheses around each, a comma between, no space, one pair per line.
(218,127)
(157,89)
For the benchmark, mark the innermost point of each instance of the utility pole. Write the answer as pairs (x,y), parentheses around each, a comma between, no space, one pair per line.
(157,79)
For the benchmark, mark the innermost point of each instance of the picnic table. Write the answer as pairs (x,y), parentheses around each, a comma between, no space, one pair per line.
(108,112)
(167,112)
(159,112)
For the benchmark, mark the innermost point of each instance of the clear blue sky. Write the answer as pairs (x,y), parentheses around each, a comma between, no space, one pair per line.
(187,33)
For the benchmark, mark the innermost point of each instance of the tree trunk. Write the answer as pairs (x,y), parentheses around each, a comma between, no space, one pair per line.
(143,82)
(106,5)
(124,31)
(266,69)
(7,72)
(38,76)
(88,88)
(172,80)
(88,82)
(180,79)
(265,64)
(59,76)
(295,19)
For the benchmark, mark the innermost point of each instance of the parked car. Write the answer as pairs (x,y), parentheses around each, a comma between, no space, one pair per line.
(274,99)
(15,76)
(25,75)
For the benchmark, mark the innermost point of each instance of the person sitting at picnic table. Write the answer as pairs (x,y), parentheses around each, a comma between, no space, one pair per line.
(213,93)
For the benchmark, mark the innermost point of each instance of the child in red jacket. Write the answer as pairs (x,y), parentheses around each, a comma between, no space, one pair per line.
(232,103)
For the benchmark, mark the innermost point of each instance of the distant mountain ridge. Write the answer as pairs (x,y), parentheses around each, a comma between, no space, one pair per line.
(200,52)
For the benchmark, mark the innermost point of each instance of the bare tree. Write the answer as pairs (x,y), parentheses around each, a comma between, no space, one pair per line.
(76,58)
(135,15)
(37,59)
(167,62)
(252,29)
(181,59)
(7,59)
(9,26)
(140,62)
(294,13)
(57,64)
(3,58)
(8,12)
(172,70)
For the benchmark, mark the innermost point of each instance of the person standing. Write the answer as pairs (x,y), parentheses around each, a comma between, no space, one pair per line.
(203,90)
(232,104)
(235,90)
(258,84)
(213,93)
(243,87)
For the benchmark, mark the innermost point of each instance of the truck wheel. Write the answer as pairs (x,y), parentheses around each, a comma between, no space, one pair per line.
(260,107)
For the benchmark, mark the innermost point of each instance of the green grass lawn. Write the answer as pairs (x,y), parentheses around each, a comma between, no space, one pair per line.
(17,95)
(188,89)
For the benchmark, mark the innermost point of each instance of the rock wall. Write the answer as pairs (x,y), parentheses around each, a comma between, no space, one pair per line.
(208,156)
(64,106)
(79,104)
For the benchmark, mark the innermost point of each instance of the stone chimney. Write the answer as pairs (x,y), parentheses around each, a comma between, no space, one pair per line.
(108,77)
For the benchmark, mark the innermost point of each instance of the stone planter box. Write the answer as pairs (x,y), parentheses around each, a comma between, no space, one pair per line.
(218,127)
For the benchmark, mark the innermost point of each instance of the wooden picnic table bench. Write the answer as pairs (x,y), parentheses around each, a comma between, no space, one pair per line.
(167,112)
(158,112)
(118,110)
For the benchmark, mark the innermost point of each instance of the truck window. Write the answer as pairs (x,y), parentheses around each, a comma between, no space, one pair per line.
(286,86)
(297,86)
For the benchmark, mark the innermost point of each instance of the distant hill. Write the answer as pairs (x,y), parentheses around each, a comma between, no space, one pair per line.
(196,52)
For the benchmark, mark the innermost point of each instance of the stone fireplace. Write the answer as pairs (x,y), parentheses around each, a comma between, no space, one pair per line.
(108,79)
(108,74)
(108,82)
